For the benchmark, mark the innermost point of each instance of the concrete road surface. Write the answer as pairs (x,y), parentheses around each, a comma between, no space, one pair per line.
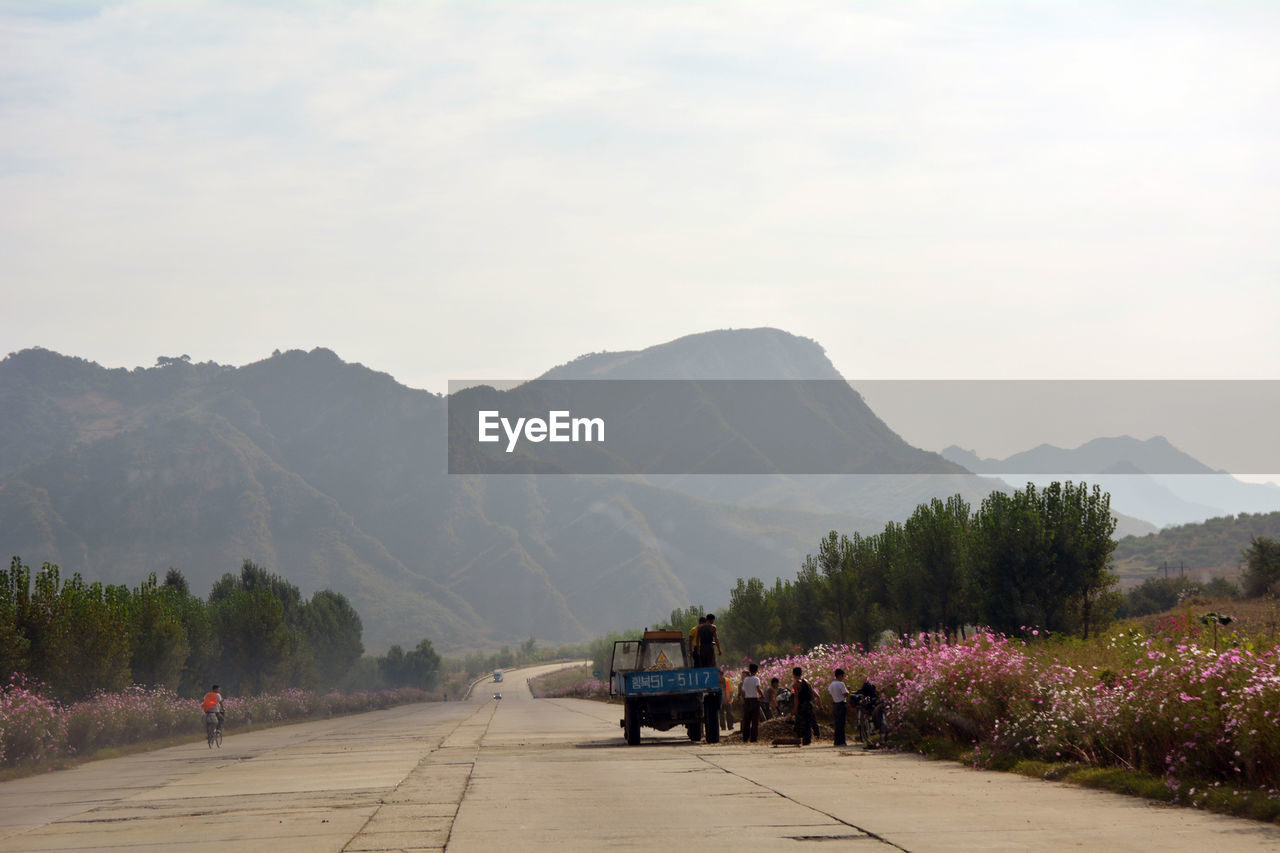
(525,774)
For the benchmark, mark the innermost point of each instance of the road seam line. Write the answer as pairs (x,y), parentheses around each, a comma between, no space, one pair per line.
(839,820)
(432,751)
(466,786)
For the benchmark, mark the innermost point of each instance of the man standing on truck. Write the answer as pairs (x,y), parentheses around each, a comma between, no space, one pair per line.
(708,642)
(693,640)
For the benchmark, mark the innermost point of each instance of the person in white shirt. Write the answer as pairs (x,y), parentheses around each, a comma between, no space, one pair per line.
(839,699)
(751,691)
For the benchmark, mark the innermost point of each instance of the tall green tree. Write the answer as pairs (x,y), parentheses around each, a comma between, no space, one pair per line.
(683,619)
(204,652)
(894,587)
(1261,567)
(835,562)
(749,618)
(257,619)
(935,558)
(253,639)
(1082,542)
(1043,557)
(78,634)
(422,666)
(333,630)
(15,587)
(1011,561)
(869,618)
(158,647)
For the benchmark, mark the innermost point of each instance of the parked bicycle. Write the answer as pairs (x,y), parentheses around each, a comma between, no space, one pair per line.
(868,715)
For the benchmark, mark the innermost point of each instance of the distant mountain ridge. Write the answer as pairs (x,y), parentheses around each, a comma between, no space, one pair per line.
(772,354)
(1115,455)
(1149,479)
(334,475)
(761,353)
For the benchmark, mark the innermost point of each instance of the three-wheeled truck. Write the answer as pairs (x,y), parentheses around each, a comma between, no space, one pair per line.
(660,688)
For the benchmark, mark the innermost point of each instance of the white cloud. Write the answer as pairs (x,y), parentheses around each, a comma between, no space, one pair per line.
(440,188)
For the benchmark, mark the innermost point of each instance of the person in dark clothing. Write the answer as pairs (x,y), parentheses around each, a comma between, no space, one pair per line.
(770,706)
(708,642)
(802,707)
(869,699)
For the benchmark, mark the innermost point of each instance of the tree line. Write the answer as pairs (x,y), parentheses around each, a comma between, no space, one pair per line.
(254,632)
(1039,557)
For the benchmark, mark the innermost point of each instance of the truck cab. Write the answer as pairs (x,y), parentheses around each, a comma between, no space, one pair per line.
(660,688)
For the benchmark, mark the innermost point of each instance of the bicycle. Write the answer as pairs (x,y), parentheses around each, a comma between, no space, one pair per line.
(213,730)
(869,719)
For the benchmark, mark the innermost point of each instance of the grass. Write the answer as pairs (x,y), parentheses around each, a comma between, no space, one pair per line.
(577,682)
(1207,795)
(560,679)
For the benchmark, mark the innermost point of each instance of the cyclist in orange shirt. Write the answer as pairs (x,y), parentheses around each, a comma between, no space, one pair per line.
(212,703)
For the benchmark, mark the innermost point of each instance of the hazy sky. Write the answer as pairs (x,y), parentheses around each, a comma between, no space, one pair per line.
(436,190)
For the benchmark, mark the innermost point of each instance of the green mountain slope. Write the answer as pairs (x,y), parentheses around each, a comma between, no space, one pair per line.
(1213,545)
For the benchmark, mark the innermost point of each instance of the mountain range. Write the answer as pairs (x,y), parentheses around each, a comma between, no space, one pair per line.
(1148,479)
(336,476)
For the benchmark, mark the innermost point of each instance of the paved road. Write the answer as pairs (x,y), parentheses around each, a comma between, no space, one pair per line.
(521,774)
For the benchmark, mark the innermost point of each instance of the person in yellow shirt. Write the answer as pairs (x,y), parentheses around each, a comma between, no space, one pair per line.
(693,639)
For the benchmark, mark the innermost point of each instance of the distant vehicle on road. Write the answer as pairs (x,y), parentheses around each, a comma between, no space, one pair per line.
(661,689)
(497,675)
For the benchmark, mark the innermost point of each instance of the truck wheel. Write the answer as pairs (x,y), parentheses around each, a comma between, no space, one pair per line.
(631,724)
(695,731)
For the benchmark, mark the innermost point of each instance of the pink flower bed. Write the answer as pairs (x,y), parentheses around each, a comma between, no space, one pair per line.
(1165,705)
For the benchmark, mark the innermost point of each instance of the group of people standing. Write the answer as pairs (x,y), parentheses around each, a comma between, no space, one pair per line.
(805,699)
(761,702)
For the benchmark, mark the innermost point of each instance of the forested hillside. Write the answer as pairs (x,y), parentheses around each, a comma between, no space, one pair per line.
(334,475)
(1216,544)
